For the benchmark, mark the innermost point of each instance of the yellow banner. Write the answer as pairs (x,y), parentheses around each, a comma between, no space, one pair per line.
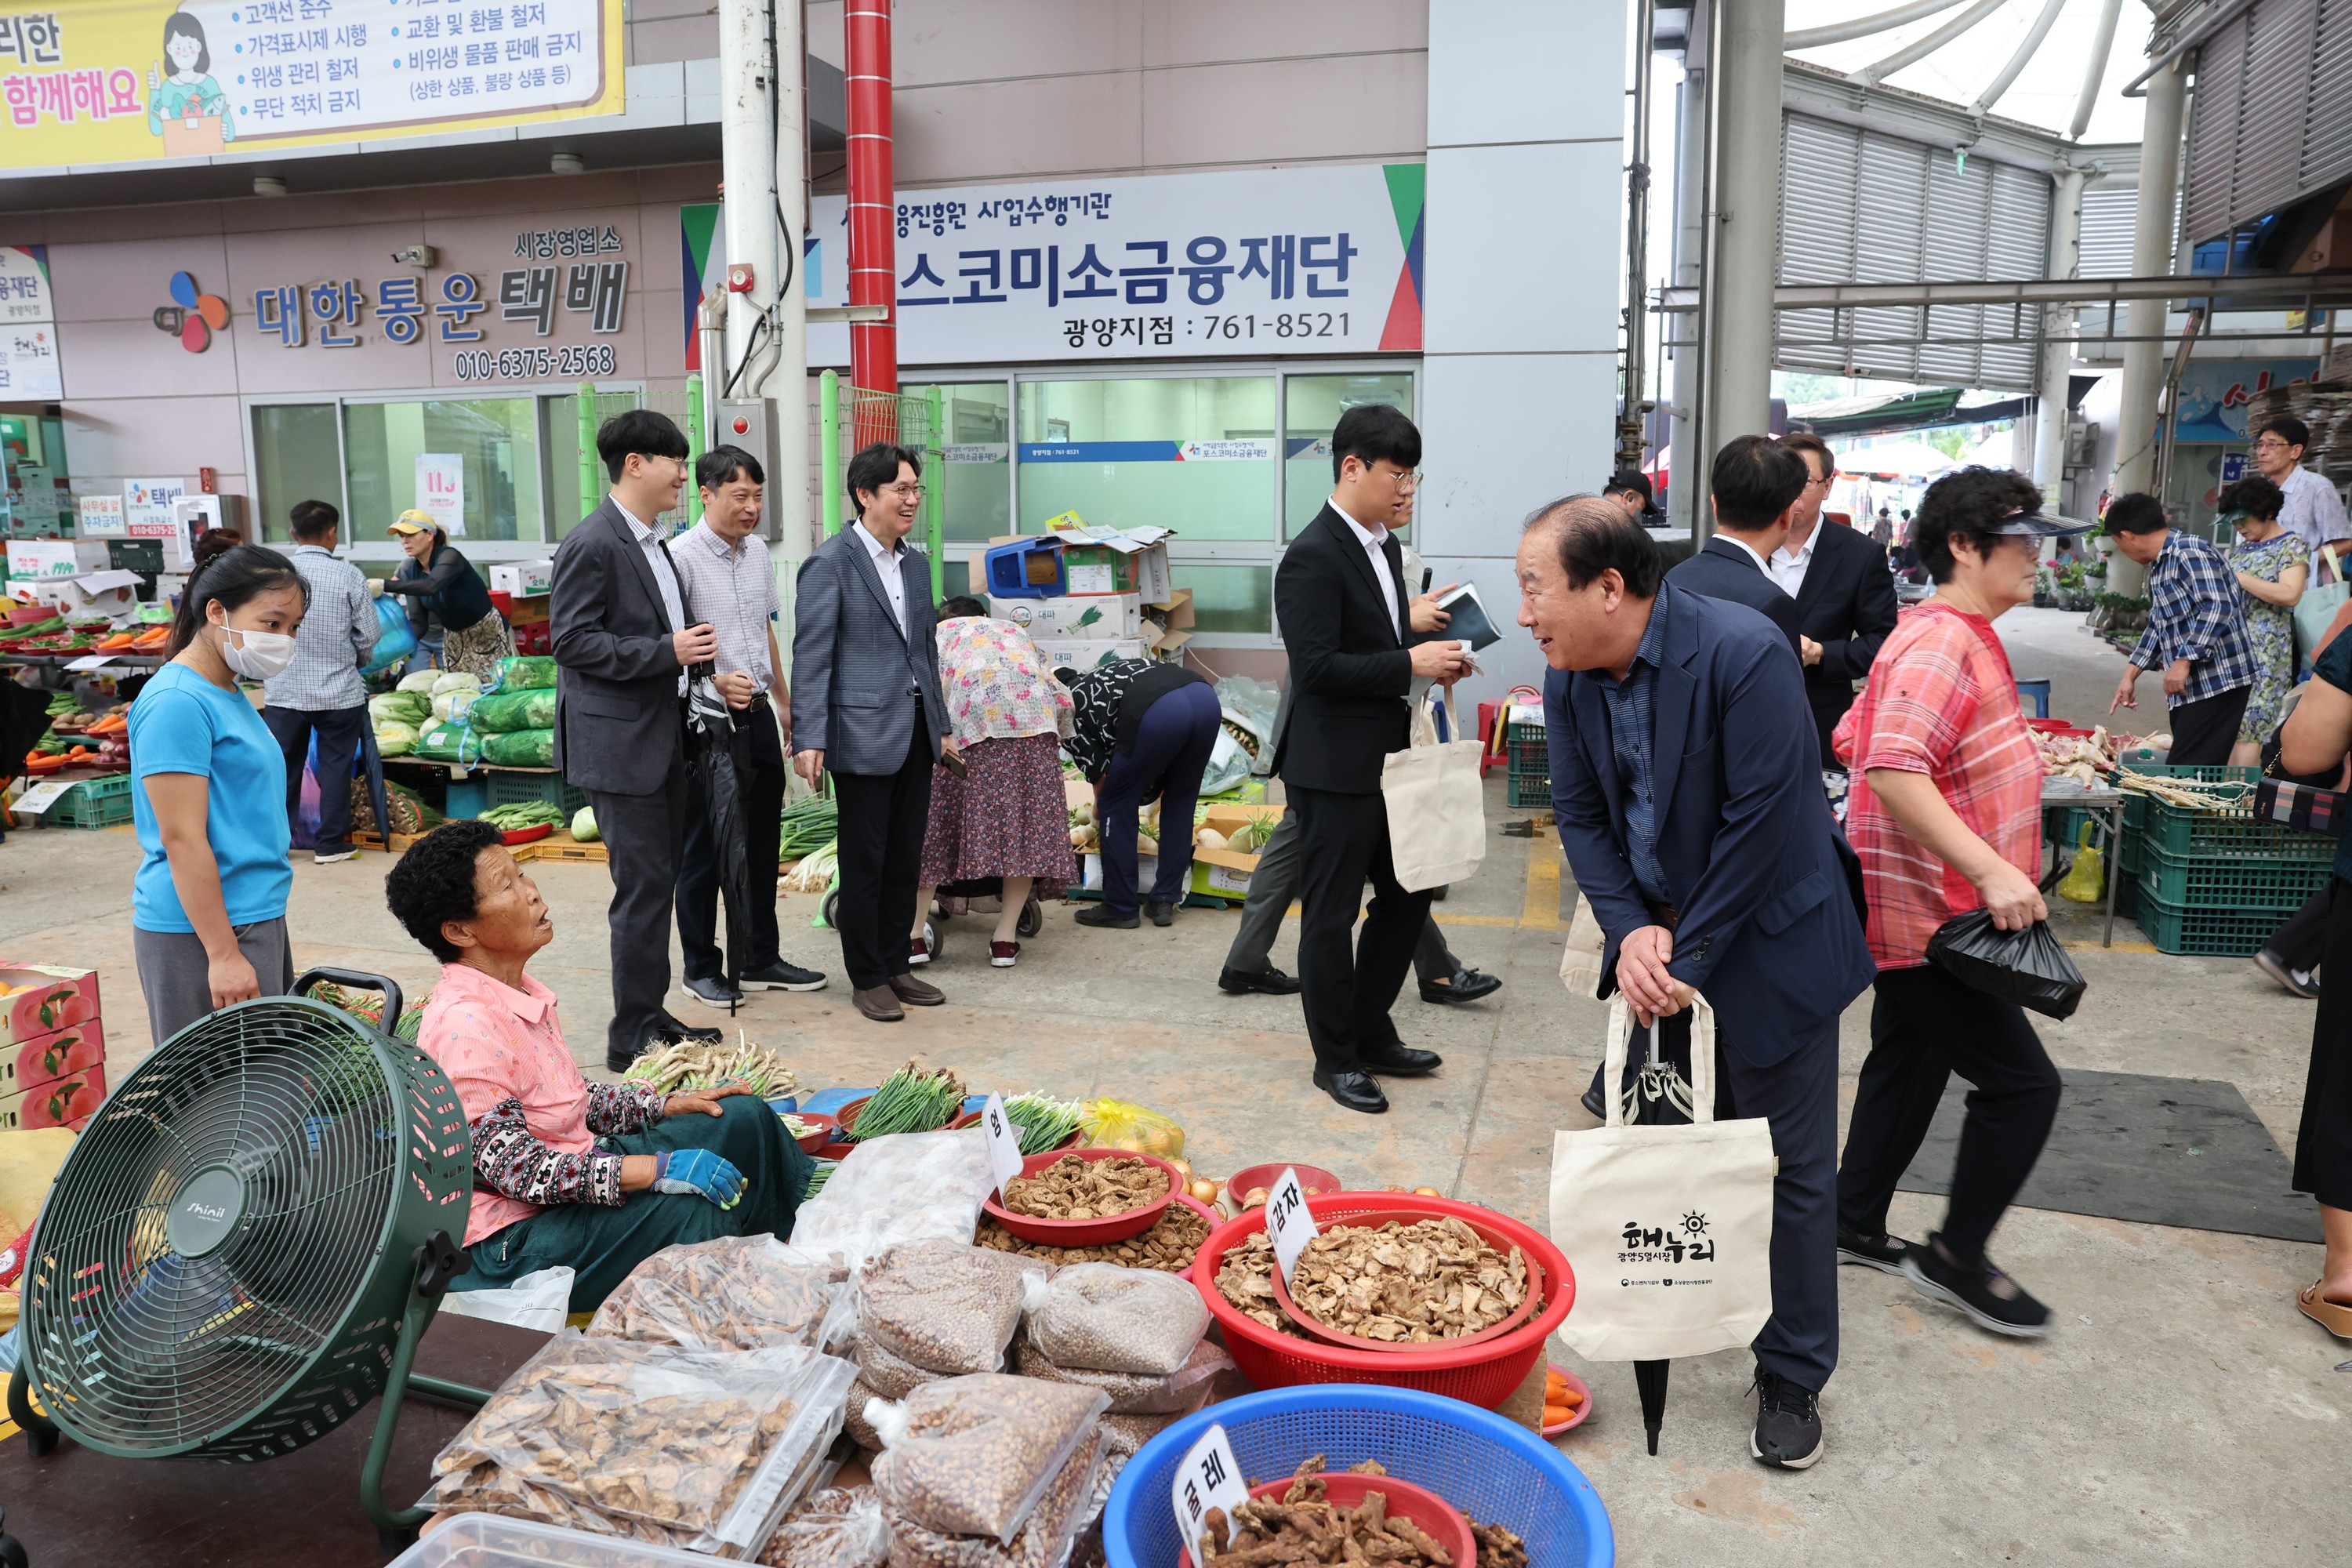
(115,81)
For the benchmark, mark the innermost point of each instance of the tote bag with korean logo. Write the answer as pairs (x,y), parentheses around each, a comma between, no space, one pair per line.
(1668,1229)
(1437,808)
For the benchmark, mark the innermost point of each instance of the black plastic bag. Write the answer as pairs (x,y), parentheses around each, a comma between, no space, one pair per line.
(2027,967)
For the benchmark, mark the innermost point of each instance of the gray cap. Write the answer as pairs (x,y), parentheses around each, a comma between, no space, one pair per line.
(2034,525)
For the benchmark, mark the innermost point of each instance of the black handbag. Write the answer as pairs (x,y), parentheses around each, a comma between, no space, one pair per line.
(2028,967)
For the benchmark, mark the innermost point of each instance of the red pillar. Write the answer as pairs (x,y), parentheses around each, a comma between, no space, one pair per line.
(873,216)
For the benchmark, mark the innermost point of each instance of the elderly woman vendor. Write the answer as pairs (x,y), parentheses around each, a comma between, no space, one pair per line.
(595,1177)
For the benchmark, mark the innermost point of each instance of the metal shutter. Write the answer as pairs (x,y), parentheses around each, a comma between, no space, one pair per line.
(2271,123)
(2110,220)
(2213,130)
(2327,120)
(1819,161)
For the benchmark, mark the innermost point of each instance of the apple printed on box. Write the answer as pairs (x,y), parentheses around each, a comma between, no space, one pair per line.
(44,998)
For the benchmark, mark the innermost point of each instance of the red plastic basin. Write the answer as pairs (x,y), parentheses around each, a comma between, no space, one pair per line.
(1438,1518)
(1487,1233)
(1088,1232)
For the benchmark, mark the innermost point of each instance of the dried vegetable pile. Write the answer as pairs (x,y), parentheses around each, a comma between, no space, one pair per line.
(734,1293)
(1432,1280)
(1072,1188)
(1302,1525)
(1245,1279)
(1170,1244)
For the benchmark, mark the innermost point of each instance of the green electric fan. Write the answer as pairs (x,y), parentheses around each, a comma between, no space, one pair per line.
(247,1243)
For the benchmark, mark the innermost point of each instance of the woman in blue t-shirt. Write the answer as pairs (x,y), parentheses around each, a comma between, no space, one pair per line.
(208,906)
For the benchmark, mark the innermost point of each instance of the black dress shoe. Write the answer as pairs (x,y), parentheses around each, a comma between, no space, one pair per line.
(617,1062)
(1402,1061)
(1356,1091)
(1101,915)
(1162,914)
(671,1028)
(1270,981)
(1467,985)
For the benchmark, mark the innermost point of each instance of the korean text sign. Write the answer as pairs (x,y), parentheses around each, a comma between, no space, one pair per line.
(101,81)
(1260,261)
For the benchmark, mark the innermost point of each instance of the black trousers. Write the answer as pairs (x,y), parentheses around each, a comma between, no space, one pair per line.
(1347,988)
(2204,730)
(1924,1025)
(2323,1145)
(644,835)
(763,781)
(338,731)
(2301,942)
(882,820)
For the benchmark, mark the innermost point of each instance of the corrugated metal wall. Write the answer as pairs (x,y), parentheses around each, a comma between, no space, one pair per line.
(2271,123)
(1864,205)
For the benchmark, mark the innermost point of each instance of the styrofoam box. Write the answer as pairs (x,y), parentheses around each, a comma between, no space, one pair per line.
(523,579)
(488,1541)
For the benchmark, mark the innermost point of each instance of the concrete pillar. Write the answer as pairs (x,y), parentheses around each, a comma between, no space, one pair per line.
(2058,351)
(1748,228)
(1690,234)
(2143,377)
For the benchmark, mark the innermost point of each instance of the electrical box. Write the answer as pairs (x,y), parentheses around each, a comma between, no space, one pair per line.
(748,423)
(2082,439)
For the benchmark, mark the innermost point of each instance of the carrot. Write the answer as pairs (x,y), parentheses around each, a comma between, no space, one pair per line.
(1555,1413)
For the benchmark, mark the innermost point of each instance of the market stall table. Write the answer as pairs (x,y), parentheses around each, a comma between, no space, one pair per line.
(2064,794)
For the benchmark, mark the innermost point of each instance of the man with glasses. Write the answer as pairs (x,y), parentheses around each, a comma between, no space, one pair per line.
(868,708)
(2311,507)
(1844,594)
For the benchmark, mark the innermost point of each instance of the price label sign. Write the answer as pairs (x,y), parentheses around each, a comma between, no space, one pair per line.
(40,798)
(1287,1223)
(1004,1142)
(1208,1476)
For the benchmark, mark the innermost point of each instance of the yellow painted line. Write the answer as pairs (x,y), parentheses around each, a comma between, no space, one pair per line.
(2087,946)
(1541,911)
(1500,922)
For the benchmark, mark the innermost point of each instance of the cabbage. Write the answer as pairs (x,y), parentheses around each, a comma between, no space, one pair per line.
(452,705)
(451,681)
(400,707)
(583,825)
(420,681)
(394,738)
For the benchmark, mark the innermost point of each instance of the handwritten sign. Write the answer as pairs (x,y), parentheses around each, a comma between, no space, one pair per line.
(1004,1142)
(40,798)
(1208,1476)
(1287,1223)
(441,490)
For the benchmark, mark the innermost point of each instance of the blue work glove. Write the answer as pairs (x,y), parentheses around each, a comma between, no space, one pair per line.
(700,1171)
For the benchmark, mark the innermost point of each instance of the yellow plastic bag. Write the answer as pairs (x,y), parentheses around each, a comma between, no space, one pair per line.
(2087,879)
(1138,1129)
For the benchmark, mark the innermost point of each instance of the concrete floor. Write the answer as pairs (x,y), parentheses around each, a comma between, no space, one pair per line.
(2182,1411)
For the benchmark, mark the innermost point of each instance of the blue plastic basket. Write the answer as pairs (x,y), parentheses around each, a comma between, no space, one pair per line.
(1493,1470)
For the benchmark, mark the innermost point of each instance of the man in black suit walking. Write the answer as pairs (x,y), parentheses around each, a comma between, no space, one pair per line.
(1843,591)
(1755,482)
(1356,643)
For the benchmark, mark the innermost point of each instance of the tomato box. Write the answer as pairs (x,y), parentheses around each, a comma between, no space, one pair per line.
(75,1048)
(44,998)
(68,1101)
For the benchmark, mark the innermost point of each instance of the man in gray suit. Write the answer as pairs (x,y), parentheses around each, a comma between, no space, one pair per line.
(624,640)
(868,708)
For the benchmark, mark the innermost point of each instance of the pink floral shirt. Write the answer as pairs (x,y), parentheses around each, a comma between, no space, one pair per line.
(999,688)
(533,1117)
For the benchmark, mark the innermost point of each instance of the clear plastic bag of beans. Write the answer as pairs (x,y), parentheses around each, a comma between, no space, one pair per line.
(973,1455)
(1103,1318)
(1043,1541)
(886,1375)
(944,1306)
(1132,1392)
(840,1527)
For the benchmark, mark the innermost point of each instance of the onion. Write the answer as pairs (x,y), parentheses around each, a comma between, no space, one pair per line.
(1204,1190)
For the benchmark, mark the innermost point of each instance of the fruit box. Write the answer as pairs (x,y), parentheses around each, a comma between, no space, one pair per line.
(44,998)
(75,1048)
(68,1101)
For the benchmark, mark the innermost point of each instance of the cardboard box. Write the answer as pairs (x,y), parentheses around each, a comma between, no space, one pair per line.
(1107,560)
(1216,873)
(68,1101)
(43,999)
(1168,628)
(529,611)
(1083,655)
(78,1047)
(1088,617)
(56,557)
(112,593)
(523,578)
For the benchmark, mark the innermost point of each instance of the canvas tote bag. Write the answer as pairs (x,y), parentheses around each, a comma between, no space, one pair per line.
(1438,810)
(1668,1229)
(2315,611)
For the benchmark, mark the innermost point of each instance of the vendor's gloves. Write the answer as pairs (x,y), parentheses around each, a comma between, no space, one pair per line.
(699,1171)
(375,587)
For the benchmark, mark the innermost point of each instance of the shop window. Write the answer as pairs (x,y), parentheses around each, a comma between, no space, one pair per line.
(975,476)
(1192,453)
(495,440)
(1311,409)
(298,458)
(1232,599)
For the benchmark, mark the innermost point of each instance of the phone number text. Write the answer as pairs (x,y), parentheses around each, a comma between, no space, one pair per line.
(536,363)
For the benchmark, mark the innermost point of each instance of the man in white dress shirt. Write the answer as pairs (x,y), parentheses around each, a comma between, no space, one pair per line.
(2311,506)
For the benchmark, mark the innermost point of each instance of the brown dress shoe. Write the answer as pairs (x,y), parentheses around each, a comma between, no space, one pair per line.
(916,993)
(879,1003)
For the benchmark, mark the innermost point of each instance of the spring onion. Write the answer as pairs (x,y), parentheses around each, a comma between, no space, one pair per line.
(909,1100)
(1045,1121)
(816,1181)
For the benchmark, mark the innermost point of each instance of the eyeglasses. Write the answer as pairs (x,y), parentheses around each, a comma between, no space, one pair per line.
(2272,443)
(1406,479)
(911,492)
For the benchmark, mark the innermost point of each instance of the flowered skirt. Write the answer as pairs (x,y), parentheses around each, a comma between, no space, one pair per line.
(1010,818)
(478,649)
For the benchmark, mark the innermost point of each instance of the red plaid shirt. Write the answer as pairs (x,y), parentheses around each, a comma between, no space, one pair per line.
(1940,702)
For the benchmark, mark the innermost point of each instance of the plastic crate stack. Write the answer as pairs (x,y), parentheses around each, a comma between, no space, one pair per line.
(1529,778)
(2214,882)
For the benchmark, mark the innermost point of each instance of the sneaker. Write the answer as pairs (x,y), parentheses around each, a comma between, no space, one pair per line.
(1102,915)
(1003,954)
(1986,1295)
(1884,1252)
(329,856)
(1788,1422)
(712,991)
(2302,983)
(1162,914)
(780,976)
(922,949)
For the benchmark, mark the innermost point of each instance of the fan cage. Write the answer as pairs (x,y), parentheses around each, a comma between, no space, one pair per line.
(348,1148)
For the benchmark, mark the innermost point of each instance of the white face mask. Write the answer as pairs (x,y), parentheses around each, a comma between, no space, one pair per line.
(256,656)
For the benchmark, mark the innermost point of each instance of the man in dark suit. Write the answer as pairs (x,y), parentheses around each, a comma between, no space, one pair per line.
(1755,482)
(868,708)
(1845,594)
(1689,806)
(622,634)
(1356,642)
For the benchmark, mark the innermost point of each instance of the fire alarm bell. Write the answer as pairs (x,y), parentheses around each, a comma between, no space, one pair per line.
(743,426)
(739,278)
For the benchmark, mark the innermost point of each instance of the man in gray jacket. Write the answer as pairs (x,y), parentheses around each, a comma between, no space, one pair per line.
(623,638)
(321,693)
(868,708)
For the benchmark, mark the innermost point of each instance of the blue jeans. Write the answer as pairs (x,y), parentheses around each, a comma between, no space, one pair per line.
(427,657)
(1170,755)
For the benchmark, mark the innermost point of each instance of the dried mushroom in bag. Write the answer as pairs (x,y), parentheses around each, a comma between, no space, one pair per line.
(734,1293)
(944,1306)
(839,1527)
(1103,1318)
(1042,1541)
(971,1455)
(1133,1393)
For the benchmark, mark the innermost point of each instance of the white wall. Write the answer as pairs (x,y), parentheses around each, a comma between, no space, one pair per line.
(1520,283)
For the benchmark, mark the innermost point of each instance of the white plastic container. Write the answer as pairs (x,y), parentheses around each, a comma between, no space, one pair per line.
(488,1541)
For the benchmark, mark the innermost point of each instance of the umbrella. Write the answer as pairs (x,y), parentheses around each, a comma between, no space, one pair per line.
(1662,1096)
(371,767)
(714,770)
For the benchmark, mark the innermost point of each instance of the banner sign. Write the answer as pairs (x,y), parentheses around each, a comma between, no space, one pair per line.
(1261,262)
(111,81)
(2214,393)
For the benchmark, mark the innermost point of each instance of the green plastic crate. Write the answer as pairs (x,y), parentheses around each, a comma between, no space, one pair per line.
(2210,933)
(2152,826)
(92,803)
(2243,883)
(1528,780)
(504,788)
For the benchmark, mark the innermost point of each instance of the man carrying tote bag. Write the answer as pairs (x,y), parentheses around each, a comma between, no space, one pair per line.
(1687,789)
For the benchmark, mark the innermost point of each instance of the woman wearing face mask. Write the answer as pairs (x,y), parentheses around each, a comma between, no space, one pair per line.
(208,905)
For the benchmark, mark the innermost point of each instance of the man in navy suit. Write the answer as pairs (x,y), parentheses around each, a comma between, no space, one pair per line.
(1689,805)
(1754,484)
